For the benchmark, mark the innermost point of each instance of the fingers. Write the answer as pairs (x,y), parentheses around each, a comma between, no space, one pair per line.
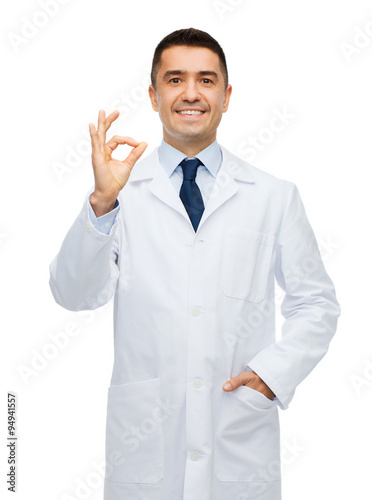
(118,139)
(111,118)
(98,136)
(93,136)
(134,155)
(100,130)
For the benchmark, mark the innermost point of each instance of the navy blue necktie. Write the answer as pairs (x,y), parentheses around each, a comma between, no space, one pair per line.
(190,193)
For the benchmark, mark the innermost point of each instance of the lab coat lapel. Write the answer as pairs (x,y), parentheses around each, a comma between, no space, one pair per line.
(160,184)
(225,185)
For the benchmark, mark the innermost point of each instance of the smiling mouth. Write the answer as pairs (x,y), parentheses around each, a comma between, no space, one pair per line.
(191,112)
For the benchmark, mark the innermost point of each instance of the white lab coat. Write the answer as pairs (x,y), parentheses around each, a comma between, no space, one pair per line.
(191,311)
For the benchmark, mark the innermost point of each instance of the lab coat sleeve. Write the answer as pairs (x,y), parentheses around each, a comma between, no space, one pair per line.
(105,222)
(310,307)
(84,273)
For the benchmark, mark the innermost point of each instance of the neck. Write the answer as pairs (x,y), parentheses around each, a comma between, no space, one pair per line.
(189,148)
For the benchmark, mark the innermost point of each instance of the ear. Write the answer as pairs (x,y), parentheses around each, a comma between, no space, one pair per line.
(226,99)
(153,98)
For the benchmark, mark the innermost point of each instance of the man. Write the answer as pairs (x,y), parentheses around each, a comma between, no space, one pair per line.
(190,241)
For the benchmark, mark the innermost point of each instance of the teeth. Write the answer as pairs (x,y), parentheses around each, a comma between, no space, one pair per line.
(190,112)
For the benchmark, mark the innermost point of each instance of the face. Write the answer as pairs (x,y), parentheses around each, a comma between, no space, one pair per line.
(190,95)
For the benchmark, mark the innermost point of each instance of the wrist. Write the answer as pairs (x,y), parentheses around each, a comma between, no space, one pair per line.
(101,205)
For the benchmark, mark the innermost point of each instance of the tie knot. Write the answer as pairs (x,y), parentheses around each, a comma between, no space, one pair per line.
(189,167)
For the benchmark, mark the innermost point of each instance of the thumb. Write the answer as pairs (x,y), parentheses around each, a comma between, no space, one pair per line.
(235,382)
(135,154)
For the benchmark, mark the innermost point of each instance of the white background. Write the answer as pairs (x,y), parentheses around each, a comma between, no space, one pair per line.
(308,58)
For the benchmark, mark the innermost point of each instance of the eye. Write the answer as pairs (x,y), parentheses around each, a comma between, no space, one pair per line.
(206,80)
(175,80)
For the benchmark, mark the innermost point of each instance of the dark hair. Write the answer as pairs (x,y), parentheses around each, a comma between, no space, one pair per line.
(193,38)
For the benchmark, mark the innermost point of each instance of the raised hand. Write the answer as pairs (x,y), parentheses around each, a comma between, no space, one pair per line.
(110,175)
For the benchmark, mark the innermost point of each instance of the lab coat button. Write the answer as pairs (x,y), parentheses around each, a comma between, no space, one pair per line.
(189,243)
(197,383)
(88,227)
(195,311)
(195,456)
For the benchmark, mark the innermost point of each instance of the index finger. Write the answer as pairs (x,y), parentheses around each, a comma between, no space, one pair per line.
(117,139)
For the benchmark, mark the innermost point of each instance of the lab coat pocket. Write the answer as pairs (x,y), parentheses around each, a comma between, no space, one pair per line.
(246,263)
(247,441)
(134,433)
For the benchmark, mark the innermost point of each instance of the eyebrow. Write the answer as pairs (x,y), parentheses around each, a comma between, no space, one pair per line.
(175,72)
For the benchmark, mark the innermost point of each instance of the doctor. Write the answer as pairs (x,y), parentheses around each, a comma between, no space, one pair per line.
(190,241)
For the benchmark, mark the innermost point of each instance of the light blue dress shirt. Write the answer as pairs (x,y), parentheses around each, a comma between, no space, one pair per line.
(170,159)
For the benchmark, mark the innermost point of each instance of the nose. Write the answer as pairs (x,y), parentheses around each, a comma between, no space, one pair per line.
(190,92)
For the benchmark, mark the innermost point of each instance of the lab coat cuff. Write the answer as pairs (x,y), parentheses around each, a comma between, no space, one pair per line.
(105,223)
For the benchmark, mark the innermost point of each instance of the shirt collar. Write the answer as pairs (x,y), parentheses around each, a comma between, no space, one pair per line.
(171,157)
